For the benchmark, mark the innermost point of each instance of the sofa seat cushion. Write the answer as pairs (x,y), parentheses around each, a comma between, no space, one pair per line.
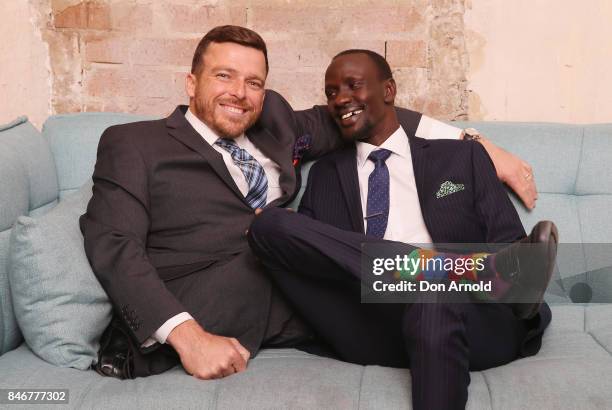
(573,370)
(283,378)
(555,383)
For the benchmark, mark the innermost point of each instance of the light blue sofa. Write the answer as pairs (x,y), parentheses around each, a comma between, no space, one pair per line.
(572,371)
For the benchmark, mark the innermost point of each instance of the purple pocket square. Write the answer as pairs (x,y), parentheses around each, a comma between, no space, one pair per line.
(302,144)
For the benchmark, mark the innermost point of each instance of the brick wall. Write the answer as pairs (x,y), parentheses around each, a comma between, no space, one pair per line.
(132,55)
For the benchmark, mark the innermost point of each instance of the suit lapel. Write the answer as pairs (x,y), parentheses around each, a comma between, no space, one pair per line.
(272,147)
(418,150)
(180,129)
(346,166)
(420,162)
(409,120)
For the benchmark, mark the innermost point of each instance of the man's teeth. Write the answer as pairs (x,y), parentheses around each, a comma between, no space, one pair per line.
(233,109)
(350,114)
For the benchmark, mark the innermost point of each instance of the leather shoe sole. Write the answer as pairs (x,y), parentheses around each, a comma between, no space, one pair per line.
(528,265)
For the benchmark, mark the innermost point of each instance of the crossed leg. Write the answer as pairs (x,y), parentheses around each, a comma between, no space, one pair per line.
(317,266)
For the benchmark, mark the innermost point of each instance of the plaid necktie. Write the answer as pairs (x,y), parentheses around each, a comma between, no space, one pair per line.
(252,170)
(378,194)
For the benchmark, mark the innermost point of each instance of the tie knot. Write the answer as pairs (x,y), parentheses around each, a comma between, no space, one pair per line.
(227,144)
(237,153)
(380,155)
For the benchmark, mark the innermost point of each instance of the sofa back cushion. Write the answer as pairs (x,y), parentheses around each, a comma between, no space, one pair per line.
(571,167)
(74,142)
(28,186)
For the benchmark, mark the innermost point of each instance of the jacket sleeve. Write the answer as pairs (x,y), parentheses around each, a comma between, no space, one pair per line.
(495,209)
(115,228)
(279,117)
(318,123)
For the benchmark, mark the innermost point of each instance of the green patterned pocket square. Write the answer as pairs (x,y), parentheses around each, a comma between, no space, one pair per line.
(448,188)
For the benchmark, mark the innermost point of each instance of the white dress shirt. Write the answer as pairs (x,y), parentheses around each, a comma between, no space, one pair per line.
(432,129)
(405,222)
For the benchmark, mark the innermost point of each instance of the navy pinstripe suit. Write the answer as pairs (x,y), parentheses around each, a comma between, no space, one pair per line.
(316,262)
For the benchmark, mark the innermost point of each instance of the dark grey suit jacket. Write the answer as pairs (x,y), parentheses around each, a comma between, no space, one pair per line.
(166,216)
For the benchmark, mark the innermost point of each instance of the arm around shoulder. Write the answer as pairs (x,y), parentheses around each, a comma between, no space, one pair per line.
(314,123)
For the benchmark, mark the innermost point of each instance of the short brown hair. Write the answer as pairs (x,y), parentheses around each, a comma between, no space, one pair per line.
(228,34)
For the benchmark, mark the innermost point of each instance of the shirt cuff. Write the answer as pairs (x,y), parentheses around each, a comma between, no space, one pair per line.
(432,129)
(162,333)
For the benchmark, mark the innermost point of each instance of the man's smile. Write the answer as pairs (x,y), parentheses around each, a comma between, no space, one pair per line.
(349,117)
(233,110)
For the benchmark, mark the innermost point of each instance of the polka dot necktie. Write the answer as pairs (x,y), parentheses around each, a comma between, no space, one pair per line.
(252,170)
(378,194)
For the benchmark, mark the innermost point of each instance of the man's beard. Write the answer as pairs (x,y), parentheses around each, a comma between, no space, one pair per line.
(222,126)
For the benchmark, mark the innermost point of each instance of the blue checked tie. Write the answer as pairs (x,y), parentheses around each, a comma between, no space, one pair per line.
(378,194)
(252,170)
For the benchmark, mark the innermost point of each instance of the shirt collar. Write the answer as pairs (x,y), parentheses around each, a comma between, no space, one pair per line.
(204,130)
(397,143)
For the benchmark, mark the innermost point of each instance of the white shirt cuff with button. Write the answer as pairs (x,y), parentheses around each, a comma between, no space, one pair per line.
(433,129)
(162,333)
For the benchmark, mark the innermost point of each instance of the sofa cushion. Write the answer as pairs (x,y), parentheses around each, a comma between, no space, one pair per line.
(575,191)
(595,157)
(555,169)
(13,202)
(26,145)
(74,141)
(28,185)
(276,378)
(10,335)
(598,323)
(61,308)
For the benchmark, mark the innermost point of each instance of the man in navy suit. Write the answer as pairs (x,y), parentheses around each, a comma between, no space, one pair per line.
(388,187)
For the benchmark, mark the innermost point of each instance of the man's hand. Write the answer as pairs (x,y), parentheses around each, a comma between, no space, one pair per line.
(260,210)
(513,171)
(207,356)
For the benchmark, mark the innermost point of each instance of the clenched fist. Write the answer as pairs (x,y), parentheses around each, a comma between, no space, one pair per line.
(207,356)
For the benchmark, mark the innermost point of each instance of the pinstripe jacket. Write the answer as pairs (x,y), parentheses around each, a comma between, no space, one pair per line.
(481,213)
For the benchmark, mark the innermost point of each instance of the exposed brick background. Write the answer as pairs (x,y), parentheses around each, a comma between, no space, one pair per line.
(132,55)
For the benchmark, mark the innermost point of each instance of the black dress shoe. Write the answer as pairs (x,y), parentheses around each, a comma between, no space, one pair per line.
(528,265)
(114,356)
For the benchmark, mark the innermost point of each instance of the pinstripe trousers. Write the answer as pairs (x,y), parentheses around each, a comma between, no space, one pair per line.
(317,267)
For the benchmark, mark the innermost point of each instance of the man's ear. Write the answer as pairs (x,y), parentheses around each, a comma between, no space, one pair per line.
(190,85)
(390,91)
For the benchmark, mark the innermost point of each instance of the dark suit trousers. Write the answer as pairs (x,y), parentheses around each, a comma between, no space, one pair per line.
(318,267)
(283,328)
